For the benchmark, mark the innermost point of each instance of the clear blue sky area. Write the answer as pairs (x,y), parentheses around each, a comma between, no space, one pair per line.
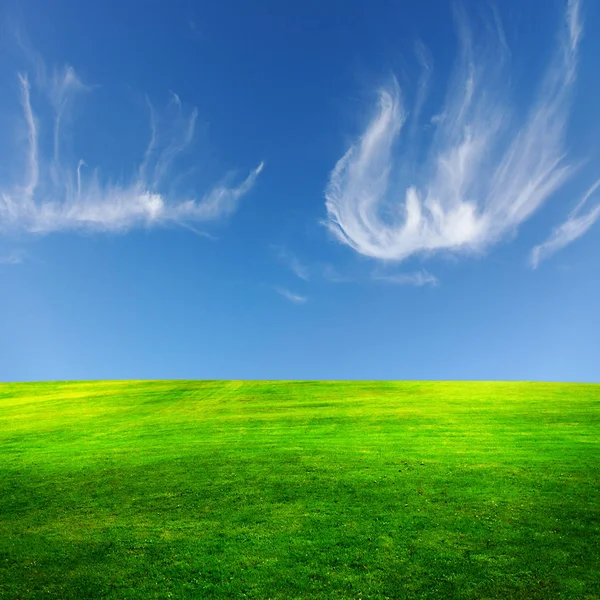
(309,190)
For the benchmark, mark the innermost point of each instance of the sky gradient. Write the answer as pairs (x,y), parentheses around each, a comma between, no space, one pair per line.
(317,191)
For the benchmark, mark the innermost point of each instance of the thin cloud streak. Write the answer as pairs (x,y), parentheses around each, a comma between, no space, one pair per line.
(574,227)
(426,63)
(332,275)
(291,296)
(32,156)
(486,170)
(14,258)
(53,196)
(417,279)
(292,262)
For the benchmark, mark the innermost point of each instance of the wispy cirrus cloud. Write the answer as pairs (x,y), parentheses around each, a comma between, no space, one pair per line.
(332,275)
(291,296)
(292,262)
(486,171)
(416,279)
(52,194)
(13,258)
(574,227)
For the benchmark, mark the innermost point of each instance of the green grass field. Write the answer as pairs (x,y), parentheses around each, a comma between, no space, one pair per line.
(299,490)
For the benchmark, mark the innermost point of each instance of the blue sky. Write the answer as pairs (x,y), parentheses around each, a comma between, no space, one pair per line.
(313,190)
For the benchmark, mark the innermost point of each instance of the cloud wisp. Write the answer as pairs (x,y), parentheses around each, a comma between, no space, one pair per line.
(330,274)
(486,170)
(53,195)
(14,258)
(574,227)
(291,296)
(292,262)
(416,279)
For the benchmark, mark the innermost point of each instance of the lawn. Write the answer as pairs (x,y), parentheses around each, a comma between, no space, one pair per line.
(282,490)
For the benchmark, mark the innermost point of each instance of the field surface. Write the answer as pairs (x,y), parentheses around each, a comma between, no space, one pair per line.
(289,490)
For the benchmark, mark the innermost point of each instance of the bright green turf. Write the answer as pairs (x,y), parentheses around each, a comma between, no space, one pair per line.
(299,490)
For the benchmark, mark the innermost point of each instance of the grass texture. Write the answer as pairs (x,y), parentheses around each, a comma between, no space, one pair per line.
(282,490)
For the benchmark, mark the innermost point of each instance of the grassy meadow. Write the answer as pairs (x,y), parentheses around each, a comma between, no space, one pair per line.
(282,490)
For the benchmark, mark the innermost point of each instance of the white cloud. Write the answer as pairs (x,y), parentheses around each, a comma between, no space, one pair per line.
(14,258)
(54,196)
(574,227)
(417,279)
(485,172)
(332,275)
(426,63)
(291,296)
(290,260)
